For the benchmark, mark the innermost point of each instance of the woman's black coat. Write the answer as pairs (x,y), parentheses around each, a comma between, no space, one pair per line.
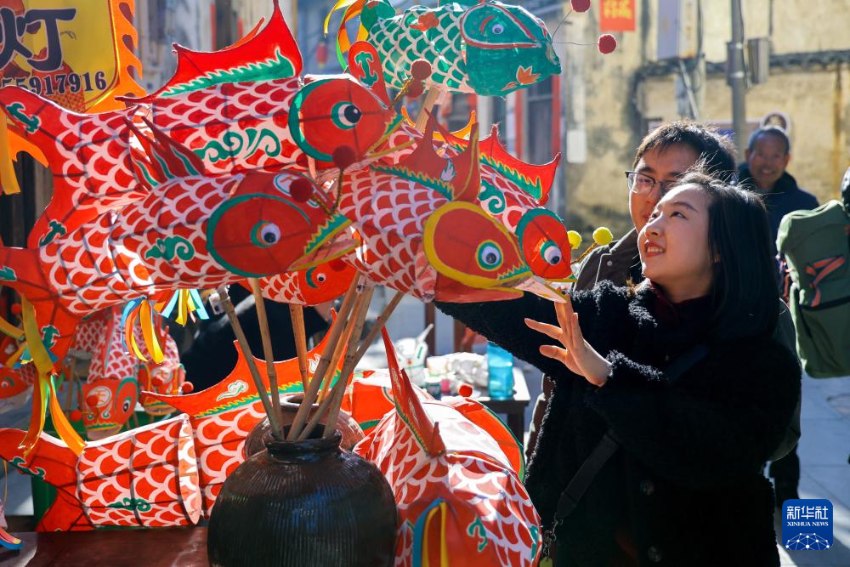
(687,483)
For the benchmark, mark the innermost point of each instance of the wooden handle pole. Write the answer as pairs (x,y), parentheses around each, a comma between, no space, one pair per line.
(330,346)
(296,313)
(274,422)
(268,351)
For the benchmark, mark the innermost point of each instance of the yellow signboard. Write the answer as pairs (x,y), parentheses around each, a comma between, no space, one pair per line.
(74,52)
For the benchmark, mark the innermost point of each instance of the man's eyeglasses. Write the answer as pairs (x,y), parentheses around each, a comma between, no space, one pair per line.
(644,184)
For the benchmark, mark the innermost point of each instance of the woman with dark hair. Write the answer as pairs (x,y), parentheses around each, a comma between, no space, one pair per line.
(669,396)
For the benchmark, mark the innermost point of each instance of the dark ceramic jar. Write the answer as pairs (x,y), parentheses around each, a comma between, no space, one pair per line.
(289,404)
(303,503)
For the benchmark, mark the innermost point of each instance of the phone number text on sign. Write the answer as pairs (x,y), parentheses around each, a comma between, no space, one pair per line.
(59,83)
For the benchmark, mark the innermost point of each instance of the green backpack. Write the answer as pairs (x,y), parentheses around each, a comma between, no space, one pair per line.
(816,247)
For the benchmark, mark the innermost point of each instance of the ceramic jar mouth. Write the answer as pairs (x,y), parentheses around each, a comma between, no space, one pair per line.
(311,447)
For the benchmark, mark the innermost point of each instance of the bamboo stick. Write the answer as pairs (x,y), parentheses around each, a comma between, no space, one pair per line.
(379,324)
(268,350)
(333,337)
(296,314)
(338,352)
(427,105)
(358,318)
(274,422)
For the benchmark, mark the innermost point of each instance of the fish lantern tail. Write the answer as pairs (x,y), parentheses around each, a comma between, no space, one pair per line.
(67,142)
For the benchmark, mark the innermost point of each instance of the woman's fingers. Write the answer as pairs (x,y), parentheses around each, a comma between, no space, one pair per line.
(556,353)
(562,314)
(550,331)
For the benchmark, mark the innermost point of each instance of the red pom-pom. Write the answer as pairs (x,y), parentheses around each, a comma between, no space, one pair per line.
(301,189)
(580,5)
(420,70)
(464,390)
(187,388)
(606,44)
(76,415)
(415,90)
(344,156)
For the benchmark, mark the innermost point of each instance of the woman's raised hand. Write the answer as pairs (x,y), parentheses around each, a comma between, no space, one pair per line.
(577,354)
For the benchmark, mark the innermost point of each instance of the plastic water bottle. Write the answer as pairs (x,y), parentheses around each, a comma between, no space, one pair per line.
(500,373)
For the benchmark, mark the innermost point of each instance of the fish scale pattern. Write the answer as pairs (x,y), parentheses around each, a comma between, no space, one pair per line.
(145,478)
(109,261)
(233,127)
(399,45)
(391,212)
(486,500)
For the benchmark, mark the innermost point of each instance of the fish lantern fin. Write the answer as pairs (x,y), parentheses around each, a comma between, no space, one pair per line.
(409,406)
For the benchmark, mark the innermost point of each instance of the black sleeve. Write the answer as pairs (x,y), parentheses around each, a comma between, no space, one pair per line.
(502,322)
(719,422)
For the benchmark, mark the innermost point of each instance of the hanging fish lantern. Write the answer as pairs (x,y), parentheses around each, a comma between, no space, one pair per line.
(486,48)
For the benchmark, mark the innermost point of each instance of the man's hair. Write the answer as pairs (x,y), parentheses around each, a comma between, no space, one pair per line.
(774,131)
(713,149)
(745,298)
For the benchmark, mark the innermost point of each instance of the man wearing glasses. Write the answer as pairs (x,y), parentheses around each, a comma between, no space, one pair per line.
(663,156)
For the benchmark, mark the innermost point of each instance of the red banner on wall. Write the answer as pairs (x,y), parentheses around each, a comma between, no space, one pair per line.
(617,15)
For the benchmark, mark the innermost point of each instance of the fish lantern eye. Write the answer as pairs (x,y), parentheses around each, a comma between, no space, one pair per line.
(497,29)
(489,255)
(346,115)
(551,253)
(321,278)
(126,405)
(265,234)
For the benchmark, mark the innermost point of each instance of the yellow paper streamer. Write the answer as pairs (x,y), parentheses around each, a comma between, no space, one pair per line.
(149,333)
(44,391)
(10,330)
(7,169)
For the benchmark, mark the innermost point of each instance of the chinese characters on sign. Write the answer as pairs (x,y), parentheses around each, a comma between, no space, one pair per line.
(71,52)
(616,15)
(13,27)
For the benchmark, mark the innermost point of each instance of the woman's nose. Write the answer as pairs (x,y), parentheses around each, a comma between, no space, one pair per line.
(654,226)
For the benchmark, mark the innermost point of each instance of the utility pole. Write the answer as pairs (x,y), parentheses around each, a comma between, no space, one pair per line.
(737,78)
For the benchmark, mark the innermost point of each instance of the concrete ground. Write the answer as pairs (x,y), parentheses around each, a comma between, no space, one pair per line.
(823,450)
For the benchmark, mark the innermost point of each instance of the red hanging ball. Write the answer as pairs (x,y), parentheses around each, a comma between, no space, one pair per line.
(187,388)
(580,5)
(606,44)
(301,190)
(344,156)
(420,70)
(415,90)
(75,415)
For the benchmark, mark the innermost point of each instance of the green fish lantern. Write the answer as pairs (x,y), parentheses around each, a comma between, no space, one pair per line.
(486,47)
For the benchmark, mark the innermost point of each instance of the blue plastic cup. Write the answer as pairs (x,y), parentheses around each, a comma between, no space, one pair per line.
(500,373)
